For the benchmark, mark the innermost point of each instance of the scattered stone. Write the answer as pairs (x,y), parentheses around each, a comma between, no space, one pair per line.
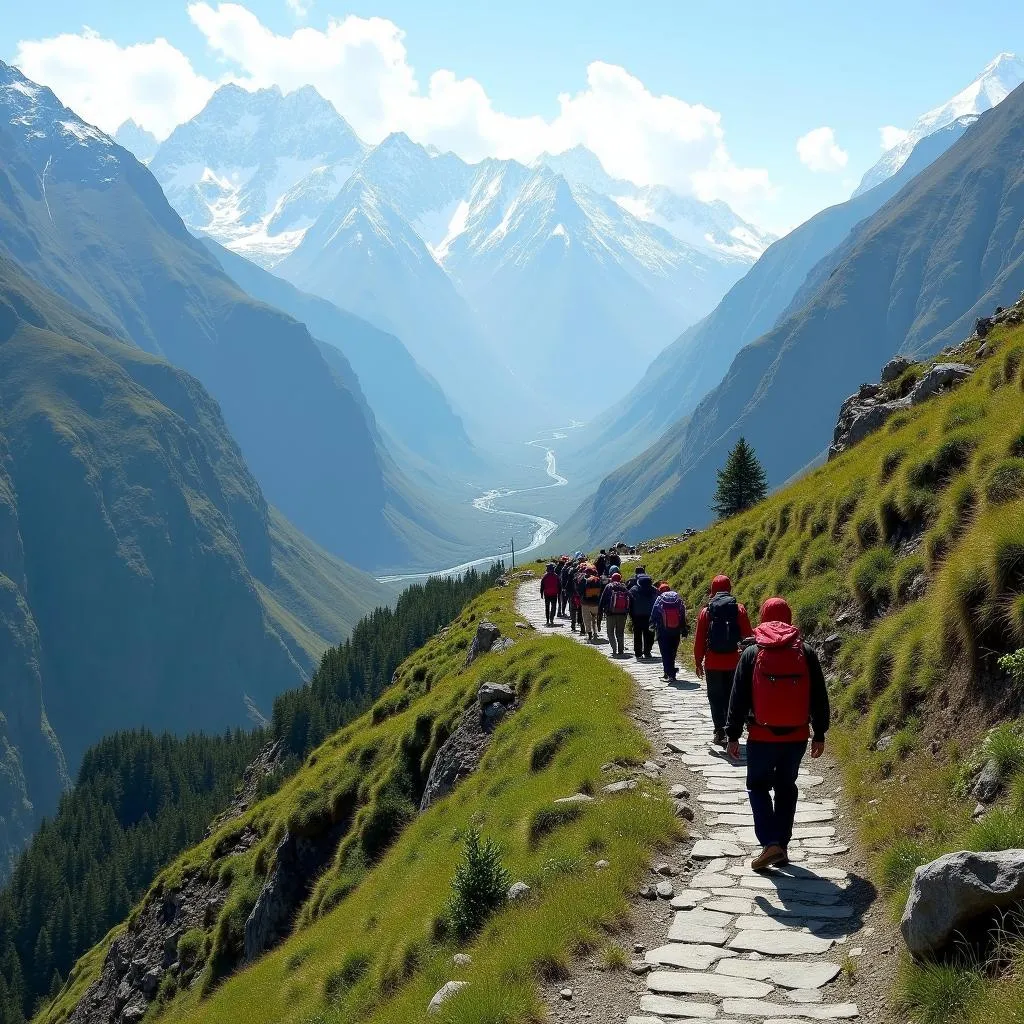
(664,869)
(785,943)
(883,743)
(988,784)
(805,995)
(486,636)
(796,975)
(894,368)
(444,993)
(601,865)
(639,947)
(857,951)
(669,1007)
(620,787)
(576,798)
(689,898)
(763,1009)
(709,849)
(495,693)
(721,985)
(697,934)
(640,967)
(566,993)
(949,892)
(647,892)
(979,812)
(690,956)
(679,792)
(462,960)
(684,810)
(666,890)
(938,378)
(518,891)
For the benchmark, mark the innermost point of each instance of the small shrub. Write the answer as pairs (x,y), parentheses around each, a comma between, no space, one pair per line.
(898,422)
(1005,746)
(480,886)
(890,463)
(1016,449)
(191,948)
(1005,482)
(1012,361)
(866,529)
(544,751)
(899,862)
(1013,666)
(998,830)
(908,572)
(352,969)
(940,993)
(546,819)
(951,457)
(615,958)
(872,578)
(963,413)
(904,383)
(390,812)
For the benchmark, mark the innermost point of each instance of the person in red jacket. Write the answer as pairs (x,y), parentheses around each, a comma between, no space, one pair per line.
(550,585)
(779,695)
(722,625)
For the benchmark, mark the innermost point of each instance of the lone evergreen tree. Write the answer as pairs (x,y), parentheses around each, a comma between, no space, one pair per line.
(741,481)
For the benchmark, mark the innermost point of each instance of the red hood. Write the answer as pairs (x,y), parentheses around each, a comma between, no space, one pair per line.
(776,634)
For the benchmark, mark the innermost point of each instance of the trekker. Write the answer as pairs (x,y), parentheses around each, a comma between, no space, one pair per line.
(550,585)
(575,607)
(563,588)
(721,626)
(779,694)
(614,561)
(668,617)
(601,562)
(590,589)
(642,596)
(615,606)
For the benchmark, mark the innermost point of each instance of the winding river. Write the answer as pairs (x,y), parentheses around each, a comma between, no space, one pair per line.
(488,503)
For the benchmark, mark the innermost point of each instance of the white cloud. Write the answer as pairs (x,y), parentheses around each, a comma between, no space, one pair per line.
(892,136)
(300,8)
(819,151)
(106,83)
(362,66)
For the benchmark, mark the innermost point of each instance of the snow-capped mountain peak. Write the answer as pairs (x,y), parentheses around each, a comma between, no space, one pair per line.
(279,157)
(997,80)
(133,137)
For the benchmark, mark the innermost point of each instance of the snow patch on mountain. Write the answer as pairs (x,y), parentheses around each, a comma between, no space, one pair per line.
(998,79)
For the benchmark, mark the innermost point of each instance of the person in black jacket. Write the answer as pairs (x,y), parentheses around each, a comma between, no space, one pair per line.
(774,753)
(642,596)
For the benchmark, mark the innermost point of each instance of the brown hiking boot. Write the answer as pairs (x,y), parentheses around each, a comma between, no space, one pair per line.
(769,857)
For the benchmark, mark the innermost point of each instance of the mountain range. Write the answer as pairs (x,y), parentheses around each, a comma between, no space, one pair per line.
(443,253)
(912,277)
(998,79)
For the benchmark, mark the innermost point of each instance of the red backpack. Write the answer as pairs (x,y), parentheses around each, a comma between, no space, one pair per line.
(550,584)
(671,612)
(619,603)
(782,683)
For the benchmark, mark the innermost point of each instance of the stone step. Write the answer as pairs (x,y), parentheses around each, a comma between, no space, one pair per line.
(795,974)
(693,984)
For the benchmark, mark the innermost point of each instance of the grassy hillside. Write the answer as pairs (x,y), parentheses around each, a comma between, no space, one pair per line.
(374,940)
(917,536)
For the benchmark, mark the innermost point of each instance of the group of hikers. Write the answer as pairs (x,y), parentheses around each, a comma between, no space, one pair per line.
(765,680)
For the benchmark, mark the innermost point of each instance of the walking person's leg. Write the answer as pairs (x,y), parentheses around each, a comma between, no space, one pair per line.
(610,631)
(639,628)
(648,638)
(719,683)
(620,632)
(673,641)
(787,768)
(761,778)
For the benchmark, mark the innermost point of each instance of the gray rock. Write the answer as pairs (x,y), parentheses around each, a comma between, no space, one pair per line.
(883,743)
(799,974)
(444,993)
(503,644)
(462,960)
(620,787)
(151,981)
(647,892)
(518,891)
(602,865)
(576,798)
(950,892)
(694,983)
(134,1011)
(640,967)
(691,957)
(989,783)
(787,943)
(666,890)
(495,693)
(763,1009)
(679,793)
(684,810)
(894,368)
(938,378)
(832,643)
(486,637)
(667,1006)
(566,993)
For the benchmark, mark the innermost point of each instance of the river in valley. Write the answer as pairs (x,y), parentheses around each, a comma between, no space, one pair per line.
(488,503)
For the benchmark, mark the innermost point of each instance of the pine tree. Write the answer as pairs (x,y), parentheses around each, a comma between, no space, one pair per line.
(741,482)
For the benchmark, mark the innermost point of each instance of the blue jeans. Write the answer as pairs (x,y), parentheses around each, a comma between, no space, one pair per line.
(773,766)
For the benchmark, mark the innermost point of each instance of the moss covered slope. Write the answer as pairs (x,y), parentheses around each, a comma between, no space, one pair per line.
(372,941)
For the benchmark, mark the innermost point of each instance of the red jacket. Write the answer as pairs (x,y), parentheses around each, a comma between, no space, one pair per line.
(712,659)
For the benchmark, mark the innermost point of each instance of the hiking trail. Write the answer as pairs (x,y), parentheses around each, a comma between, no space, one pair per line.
(777,947)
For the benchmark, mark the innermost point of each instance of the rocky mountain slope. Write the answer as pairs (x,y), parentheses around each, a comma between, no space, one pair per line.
(911,278)
(998,79)
(144,579)
(684,372)
(302,427)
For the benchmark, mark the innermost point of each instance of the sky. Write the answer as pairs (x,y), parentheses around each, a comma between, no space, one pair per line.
(776,108)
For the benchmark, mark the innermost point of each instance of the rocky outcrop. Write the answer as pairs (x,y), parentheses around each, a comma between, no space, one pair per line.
(954,891)
(298,861)
(867,410)
(461,753)
(487,634)
(264,765)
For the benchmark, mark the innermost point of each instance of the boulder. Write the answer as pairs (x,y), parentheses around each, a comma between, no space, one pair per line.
(988,784)
(894,368)
(444,993)
(495,693)
(938,378)
(486,636)
(151,982)
(518,891)
(956,889)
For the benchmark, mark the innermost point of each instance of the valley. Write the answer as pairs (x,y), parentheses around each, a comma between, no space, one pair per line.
(312,359)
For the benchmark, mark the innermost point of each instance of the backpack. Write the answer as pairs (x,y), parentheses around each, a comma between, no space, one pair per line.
(672,613)
(550,584)
(619,603)
(723,624)
(592,590)
(782,683)
(644,595)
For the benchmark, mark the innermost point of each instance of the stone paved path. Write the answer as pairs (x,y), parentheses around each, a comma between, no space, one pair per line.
(742,946)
